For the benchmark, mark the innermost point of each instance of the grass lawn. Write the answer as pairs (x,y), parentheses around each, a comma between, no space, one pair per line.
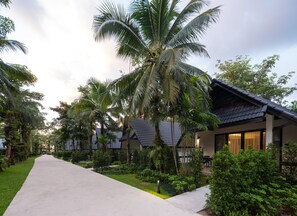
(130,179)
(11,180)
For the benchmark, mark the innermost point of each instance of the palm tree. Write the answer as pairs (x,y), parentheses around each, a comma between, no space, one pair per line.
(6,27)
(21,115)
(95,104)
(158,38)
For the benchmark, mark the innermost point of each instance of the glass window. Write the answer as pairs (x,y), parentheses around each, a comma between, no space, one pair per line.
(234,142)
(220,142)
(252,139)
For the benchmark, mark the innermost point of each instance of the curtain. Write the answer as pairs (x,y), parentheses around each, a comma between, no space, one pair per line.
(234,142)
(252,139)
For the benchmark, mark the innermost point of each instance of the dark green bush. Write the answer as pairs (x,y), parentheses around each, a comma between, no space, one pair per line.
(142,159)
(122,156)
(135,157)
(248,182)
(101,159)
(195,166)
(66,155)
(78,156)
(121,169)
(178,183)
(289,167)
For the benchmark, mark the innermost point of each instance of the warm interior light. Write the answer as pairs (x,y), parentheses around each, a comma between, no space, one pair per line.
(197,142)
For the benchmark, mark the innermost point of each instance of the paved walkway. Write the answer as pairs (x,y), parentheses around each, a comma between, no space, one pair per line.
(194,201)
(55,187)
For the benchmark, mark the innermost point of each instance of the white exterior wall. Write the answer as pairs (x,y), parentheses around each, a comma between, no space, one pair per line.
(207,138)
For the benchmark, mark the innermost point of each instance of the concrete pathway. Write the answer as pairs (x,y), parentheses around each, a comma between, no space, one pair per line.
(55,187)
(193,201)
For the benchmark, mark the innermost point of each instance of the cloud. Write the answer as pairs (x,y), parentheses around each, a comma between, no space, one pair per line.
(31,13)
(63,53)
(248,26)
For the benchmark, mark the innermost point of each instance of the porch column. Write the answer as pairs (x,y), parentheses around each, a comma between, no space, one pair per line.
(269,129)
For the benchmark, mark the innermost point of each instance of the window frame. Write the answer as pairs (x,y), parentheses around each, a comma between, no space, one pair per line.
(262,130)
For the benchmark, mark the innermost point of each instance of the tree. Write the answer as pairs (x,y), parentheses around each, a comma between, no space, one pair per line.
(21,114)
(257,79)
(155,38)
(95,105)
(293,106)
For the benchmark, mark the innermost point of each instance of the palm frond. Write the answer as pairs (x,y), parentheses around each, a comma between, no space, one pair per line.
(192,48)
(195,28)
(113,21)
(142,13)
(194,6)
(13,45)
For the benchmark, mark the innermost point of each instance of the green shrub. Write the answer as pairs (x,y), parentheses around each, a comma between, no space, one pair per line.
(116,163)
(178,183)
(135,157)
(122,156)
(248,182)
(290,160)
(86,164)
(142,159)
(78,156)
(101,159)
(121,169)
(66,155)
(196,164)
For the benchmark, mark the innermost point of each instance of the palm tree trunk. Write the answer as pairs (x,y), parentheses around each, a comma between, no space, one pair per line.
(90,137)
(102,133)
(128,146)
(158,142)
(174,147)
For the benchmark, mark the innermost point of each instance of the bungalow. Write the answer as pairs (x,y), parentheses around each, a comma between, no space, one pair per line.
(246,120)
(115,144)
(143,133)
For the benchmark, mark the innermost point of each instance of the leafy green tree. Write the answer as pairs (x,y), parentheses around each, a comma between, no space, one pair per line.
(257,79)
(293,106)
(62,125)
(157,40)
(21,114)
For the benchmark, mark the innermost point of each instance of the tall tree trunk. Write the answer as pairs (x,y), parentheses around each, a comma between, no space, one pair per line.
(158,142)
(174,146)
(128,145)
(90,138)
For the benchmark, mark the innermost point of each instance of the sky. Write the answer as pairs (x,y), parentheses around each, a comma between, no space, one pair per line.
(64,55)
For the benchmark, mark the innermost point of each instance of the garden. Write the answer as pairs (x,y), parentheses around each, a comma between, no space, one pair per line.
(142,172)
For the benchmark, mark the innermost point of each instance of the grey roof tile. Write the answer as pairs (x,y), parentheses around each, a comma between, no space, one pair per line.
(253,107)
(145,132)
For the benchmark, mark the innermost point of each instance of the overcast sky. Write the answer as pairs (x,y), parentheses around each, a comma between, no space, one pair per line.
(63,53)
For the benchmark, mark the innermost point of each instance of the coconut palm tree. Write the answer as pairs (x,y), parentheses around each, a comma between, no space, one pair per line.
(154,36)
(158,38)
(95,104)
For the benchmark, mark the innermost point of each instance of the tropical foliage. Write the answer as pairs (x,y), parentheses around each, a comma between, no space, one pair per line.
(20,108)
(257,79)
(158,38)
(249,183)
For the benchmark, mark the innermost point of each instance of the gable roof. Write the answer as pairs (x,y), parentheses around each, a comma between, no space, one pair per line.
(145,132)
(115,144)
(233,105)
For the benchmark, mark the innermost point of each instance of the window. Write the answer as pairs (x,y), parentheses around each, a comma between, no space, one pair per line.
(220,141)
(252,139)
(234,142)
(241,140)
